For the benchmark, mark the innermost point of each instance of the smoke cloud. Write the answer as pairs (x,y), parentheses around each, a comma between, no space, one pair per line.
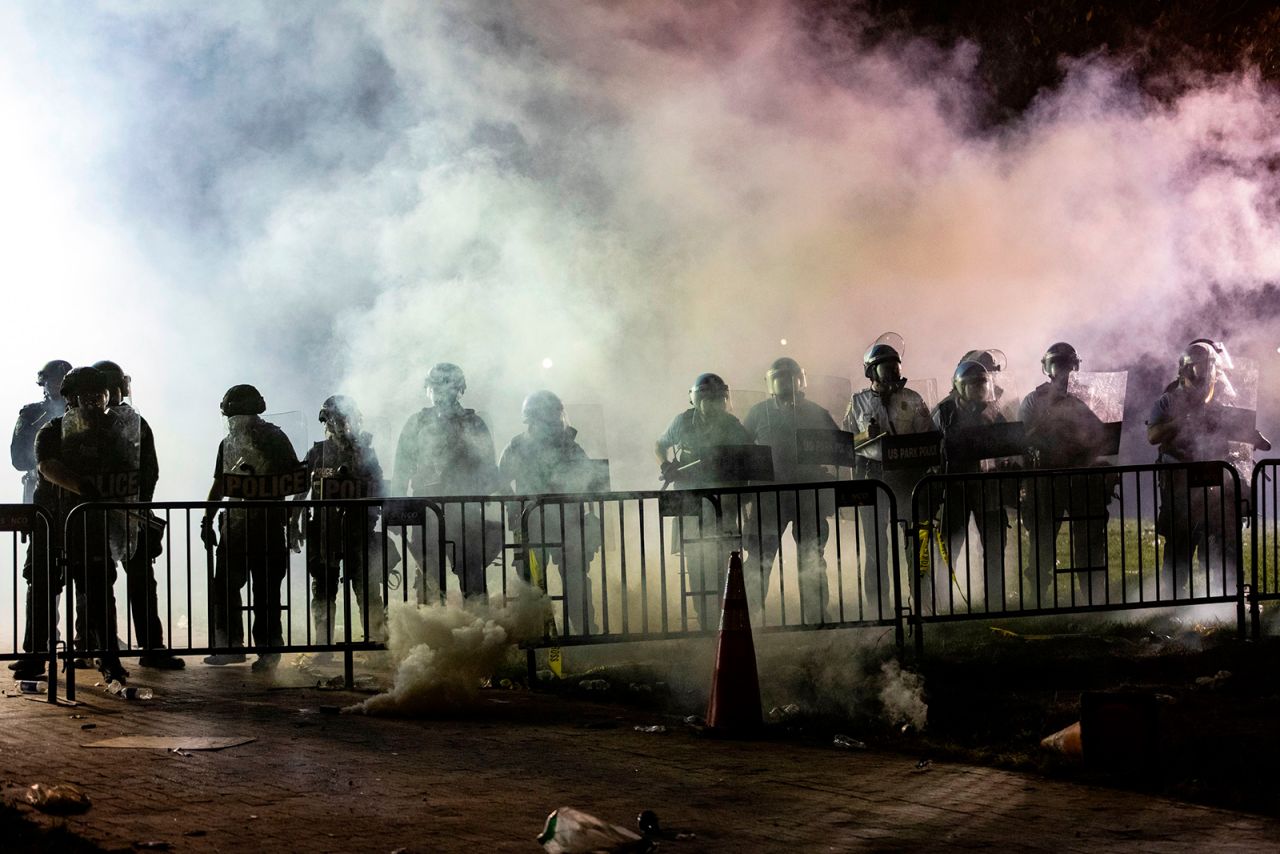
(442,651)
(330,197)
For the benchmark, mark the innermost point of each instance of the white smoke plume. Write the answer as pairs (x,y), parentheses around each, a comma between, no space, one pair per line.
(902,693)
(443,651)
(320,197)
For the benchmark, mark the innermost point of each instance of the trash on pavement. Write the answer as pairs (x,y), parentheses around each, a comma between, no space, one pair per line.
(58,799)
(571,831)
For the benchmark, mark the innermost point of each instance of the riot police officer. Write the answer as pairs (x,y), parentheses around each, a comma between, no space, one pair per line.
(1187,424)
(250,544)
(77,455)
(447,450)
(344,465)
(887,406)
(546,459)
(139,566)
(31,418)
(775,422)
(972,403)
(1062,432)
(708,423)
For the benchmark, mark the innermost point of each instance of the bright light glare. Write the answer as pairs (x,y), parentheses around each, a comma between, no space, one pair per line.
(783,342)
(547,363)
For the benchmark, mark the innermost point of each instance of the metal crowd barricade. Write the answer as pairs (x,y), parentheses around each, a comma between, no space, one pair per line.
(31,567)
(1075,540)
(1264,568)
(651,565)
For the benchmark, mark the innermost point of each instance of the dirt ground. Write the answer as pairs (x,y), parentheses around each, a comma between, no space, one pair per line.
(485,777)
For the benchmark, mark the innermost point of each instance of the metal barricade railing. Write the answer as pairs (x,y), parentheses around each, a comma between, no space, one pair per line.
(29,589)
(1264,542)
(1042,542)
(651,565)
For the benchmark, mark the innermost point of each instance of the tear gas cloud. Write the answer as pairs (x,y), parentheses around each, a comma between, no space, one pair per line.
(604,199)
(442,651)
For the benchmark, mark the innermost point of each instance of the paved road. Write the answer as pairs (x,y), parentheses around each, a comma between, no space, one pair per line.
(484,778)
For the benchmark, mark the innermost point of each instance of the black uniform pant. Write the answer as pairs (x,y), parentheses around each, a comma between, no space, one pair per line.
(1079,502)
(44,583)
(144,604)
(253,546)
(1201,529)
(473,539)
(353,547)
(808,513)
(983,503)
(569,536)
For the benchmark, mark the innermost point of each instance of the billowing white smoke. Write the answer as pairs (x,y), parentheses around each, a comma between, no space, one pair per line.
(442,652)
(638,191)
(902,694)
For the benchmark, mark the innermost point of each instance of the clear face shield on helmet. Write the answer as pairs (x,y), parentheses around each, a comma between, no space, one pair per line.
(548,426)
(887,374)
(342,427)
(786,386)
(445,394)
(978,389)
(711,404)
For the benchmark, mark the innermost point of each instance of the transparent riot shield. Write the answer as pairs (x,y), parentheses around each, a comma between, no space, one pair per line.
(831,393)
(927,389)
(294,426)
(106,447)
(1239,384)
(1104,393)
(741,401)
(588,420)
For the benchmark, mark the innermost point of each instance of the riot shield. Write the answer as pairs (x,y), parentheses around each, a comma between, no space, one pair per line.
(294,426)
(927,389)
(588,420)
(106,448)
(1104,393)
(1239,384)
(831,393)
(741,401)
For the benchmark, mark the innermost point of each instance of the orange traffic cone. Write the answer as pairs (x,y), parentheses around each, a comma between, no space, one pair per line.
(735,686)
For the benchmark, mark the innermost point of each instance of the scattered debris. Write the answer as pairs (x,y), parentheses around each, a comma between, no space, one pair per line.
(922,766)
(30,686)
(129,692)
(695,721)
(656,728)
(58,799)
(179,751)
(168,742)
(848,743)
(88,726)
(1214,682)
(782,713)
(1065,741)
(153,845)
(594,685)
(571,831)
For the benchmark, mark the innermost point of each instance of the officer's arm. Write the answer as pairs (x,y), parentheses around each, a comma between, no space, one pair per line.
(1162,431)
(60,474)
(148,463)
(402,465)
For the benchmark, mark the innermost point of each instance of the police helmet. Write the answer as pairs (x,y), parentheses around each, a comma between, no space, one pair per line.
(708,387)
(340,406)
(115,375)
(1060,352)
(1220,349)
(969,371)
(877,353)
(243,400)
(446,375)
(1198,361)
(57,368)
(84,381)
(542,406)
(992,360)
(785,368)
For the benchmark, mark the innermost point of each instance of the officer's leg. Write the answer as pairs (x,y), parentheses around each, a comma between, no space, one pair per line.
(956,577)
(364,565)
(473,548)
(574,562)
(322,567)
(144,603)
(1088,535)
(1042,517)
(762,541)
(268,573)
(875,562)
(993,531)
(810,529)
(430,582)
(42,585)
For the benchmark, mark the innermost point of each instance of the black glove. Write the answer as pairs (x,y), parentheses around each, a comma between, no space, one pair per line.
(207,534)
(1261,442)
(670,470)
